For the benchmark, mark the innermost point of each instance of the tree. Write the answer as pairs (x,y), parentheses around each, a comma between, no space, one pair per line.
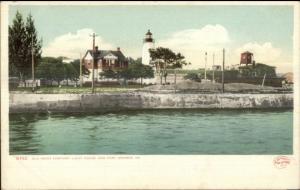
(33,42)
(147,72)
(193,76)
(164,58)
(43,71)
(22,39)
(51,69)
(16,38)
(108,74)
(137,70)
(178,63)
(257,70)
(76,65)
(58,72)
(70,73)
(134,61)
(126,74)
(140,71)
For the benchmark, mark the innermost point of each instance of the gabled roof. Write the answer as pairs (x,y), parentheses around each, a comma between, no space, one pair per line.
(102,53)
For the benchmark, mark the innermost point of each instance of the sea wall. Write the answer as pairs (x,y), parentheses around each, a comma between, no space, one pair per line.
(142,100)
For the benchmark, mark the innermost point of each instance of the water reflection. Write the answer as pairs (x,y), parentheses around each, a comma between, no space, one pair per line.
(23,136)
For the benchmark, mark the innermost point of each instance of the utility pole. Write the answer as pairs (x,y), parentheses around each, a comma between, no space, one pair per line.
(205,66)
(80,69)
(263,82)
(32,64)
(175,75)
(93,62)
(223,70)
(213,77)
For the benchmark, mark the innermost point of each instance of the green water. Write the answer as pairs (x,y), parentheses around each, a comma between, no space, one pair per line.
(166,132)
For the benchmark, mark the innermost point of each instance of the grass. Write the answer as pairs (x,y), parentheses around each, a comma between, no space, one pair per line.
(74,90)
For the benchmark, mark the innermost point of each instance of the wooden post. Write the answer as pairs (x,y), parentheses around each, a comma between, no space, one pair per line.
(213,77)
(80,70)
(205,66)
(263,82)
(175,75)
(223,70)
(93,63)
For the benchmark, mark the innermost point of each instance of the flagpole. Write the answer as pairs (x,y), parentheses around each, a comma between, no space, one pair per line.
(223,70)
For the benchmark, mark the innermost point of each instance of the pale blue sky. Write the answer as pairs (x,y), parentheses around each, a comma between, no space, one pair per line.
(126,25)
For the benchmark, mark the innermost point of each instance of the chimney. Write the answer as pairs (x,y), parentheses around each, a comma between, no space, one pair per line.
(118,49)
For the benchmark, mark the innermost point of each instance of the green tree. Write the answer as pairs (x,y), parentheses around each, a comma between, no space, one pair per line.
(76,65)
(178,63)
(147,72)
(134,61)
(137,70)
(109,74)
(70,73)
(163,59)
(16,42)
(257,70)
(22,40)
(140,71)
(58,71)
(51,69)
(192,76)
(126,74)
(43,71)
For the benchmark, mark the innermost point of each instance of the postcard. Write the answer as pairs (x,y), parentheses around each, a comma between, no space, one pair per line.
(150,95)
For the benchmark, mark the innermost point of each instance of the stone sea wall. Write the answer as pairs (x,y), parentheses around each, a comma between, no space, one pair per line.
(142,100)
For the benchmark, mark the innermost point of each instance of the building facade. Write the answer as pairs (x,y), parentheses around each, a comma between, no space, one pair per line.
(247,58)
(104,60)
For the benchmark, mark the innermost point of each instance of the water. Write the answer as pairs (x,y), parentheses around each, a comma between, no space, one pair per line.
(166,132)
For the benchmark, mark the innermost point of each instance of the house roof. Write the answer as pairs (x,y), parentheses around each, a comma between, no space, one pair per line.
(247,52)
(289,77)
(102,53)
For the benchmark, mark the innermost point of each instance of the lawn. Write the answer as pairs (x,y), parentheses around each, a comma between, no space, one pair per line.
(74,90)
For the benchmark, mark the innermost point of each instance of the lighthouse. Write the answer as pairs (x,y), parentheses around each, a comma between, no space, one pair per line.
(148,44)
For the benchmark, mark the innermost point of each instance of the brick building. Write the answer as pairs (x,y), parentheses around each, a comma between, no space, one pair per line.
(104,60)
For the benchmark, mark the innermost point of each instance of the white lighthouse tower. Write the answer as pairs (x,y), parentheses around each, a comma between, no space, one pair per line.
(147,44)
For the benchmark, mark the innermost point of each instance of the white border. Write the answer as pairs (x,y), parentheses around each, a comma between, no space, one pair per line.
(172,172)
(261,3)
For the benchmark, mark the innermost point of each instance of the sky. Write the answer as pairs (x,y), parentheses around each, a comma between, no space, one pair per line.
(266,31)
